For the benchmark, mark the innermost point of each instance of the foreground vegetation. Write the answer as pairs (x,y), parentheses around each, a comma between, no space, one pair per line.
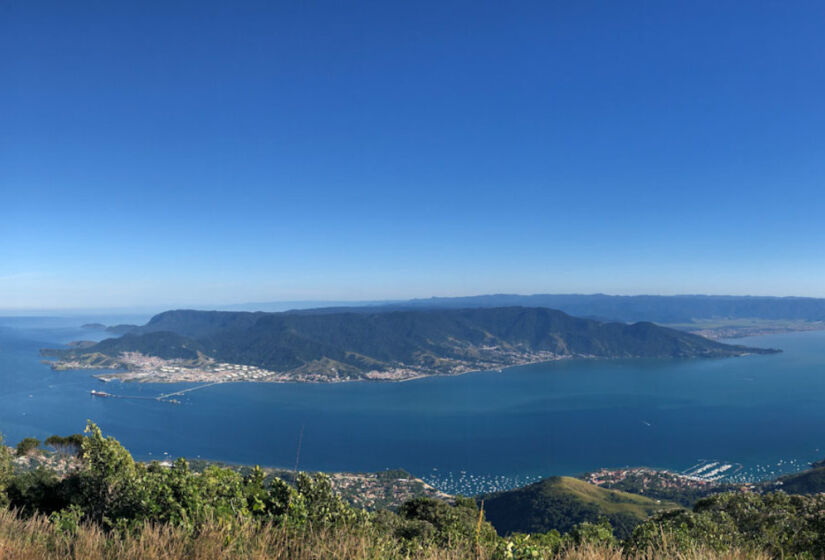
(114,507)
(39,539)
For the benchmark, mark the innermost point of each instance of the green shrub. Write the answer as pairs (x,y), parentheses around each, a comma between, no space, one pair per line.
(67,521)
(777,523)
(5,471)
(520,546)
(37,491)
(68,445)
(114,491)
(462,522)
(595,534)
(28,445)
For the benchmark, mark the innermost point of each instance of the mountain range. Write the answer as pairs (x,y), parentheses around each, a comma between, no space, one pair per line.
(676,309)
(349,344)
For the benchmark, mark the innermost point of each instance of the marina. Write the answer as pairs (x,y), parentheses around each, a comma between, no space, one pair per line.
(712,471)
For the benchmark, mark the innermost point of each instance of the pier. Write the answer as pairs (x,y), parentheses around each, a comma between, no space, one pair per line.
(103,394)
(165,397)
(712,471)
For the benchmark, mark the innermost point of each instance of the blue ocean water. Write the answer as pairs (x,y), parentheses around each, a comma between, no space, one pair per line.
(467,433)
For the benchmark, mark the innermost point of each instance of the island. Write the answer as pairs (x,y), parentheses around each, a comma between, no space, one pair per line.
(328,346)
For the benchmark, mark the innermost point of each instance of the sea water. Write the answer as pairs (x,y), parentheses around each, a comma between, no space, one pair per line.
(765,414)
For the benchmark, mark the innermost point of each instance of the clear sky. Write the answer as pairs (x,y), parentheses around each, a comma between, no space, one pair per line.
(182,153)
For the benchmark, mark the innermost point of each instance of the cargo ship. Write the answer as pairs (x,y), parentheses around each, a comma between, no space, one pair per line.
(100,393)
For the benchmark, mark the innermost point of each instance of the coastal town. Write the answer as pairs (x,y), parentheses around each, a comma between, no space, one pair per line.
(143,368)
(645,478)
(381,490)
(139,367)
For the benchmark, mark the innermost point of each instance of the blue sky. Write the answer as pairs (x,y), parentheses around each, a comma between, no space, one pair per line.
(213,153)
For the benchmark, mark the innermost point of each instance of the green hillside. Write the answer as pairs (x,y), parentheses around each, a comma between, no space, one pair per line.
(560,502)
(347,345)
(811,481)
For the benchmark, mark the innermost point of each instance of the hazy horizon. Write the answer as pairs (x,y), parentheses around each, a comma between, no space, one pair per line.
(286,305)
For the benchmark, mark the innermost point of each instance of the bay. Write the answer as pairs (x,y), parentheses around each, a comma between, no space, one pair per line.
(468,433)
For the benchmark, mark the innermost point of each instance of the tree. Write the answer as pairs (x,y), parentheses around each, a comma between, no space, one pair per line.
(68,445)
(109,486)
(317,504)
(5,471)
(36,491)
(431,517)
(779,524)
(28,445)
(598,534)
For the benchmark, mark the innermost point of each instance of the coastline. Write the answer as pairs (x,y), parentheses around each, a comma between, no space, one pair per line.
(183,374)
(738,331)
(399,375)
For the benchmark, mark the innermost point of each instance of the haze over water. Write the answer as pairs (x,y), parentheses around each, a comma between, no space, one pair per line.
(467,433)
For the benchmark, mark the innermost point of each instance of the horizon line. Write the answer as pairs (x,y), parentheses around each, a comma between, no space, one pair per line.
(322,303)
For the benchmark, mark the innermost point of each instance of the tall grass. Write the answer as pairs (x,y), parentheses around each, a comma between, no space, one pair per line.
(36,538)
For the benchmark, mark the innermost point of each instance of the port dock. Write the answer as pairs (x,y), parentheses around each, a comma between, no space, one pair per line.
(165,397)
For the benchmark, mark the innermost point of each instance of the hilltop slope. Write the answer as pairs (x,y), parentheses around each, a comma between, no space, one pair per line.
(811,481)
(560,502)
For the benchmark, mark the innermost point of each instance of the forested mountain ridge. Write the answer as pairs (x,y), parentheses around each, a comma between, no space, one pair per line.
(659,309)
(430,341)
(670,310)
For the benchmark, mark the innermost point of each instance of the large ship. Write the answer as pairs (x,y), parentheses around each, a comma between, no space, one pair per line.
(100,393)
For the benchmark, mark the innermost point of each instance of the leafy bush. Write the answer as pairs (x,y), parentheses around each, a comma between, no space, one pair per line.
(28,445)
(598,534)
(67,521)
(520,546)
(434,520)
(115,491)
(66,445)
(778,523)
(35,491)
(5,471)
